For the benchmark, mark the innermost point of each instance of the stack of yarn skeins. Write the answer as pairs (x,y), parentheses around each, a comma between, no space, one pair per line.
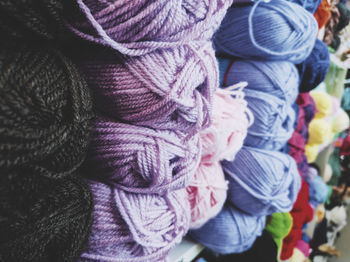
(260,43)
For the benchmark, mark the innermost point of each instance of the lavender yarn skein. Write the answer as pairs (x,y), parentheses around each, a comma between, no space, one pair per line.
(278,30)
(167,89)
(130,227)
(273,121)
(141,160)
(139,27)
(231,231)
(278,78)
(262,182)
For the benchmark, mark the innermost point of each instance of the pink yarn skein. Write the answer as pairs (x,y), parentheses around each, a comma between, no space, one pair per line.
(222,140)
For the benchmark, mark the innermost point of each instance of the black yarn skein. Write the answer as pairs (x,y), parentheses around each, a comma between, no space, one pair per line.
(34,18)
(45,120)
(45,112)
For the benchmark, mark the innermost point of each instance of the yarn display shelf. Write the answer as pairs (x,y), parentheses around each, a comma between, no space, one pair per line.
(186,251)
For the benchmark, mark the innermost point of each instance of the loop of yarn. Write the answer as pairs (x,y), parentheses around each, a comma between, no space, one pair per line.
(278,78)
(45,112)
(314,69)
(206,193)
(158,90)
(231,231)
(262,182)
(230,121)
(45,119)
(139,28)
(130,227)
(140,159)
(277,30)
(273,121)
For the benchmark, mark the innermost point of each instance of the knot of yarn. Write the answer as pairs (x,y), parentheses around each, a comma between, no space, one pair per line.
(142,160)
(273,120)
(135,227)
(276,187)
(131,90)
(231,231)
(137,28)
(45,112)
(278,78)
(278,30)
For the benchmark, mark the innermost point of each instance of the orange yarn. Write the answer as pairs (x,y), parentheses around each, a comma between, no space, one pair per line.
(323,13)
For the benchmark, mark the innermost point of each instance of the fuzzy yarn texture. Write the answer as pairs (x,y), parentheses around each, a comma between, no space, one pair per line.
(278,30)
(309,5)
(311,152)
(262,182)
(31,19)
(157,90)
(231,231)
(341,121)
(319,132)
(273,122)
(279,227)
(138,28)
(141,160)
(278,78)
(45,118)
(323,13)
(129,227)
(314,69)
(324,103)
(222,140)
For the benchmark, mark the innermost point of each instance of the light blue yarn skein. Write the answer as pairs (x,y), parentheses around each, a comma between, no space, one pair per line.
(231,231)
(262,182)
(278,30)
(279,78)
(273,122)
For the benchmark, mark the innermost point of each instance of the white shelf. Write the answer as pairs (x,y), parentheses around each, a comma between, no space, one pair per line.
(186,251)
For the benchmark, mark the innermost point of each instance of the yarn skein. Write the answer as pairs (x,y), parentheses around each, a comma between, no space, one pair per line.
(273,120)
(136,29)
(309,5)
(278,78)
(314,69)
(323,13)
(45,116)
(135,227)
(157,90)
(279,227)
(45,112)
(231,231)
(278,30)
(324,103)
(141,160)
(262,182)
(319,132)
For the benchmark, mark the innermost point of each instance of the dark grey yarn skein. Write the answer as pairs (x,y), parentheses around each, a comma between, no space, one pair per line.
(45,121)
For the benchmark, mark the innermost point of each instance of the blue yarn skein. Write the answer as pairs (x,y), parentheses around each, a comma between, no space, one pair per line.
(315,68)
(278,30)
(273,120)
(309,5)
(231,231)
(278,78)
(262,182)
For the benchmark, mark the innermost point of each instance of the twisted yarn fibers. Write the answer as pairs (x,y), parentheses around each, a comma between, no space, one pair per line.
(45,112)
(137,28)
(140,159)
(231,119)
(135,227)
(277,30)
(309,5)
(314,69)
(273,120)
(278,78)
(262,182)
(231,231)
(45,118)
(206,193)
(157,90)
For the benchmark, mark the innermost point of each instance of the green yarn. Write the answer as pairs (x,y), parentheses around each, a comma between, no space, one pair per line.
(279,227)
